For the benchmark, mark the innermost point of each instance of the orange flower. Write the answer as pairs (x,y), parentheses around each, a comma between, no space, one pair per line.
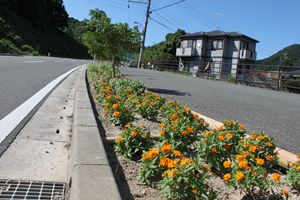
(187,109)
(162,131)
(116,114)
(172,163)
(228,123)
(184,132)
(269,144)
(207,132)
(164,162)
(177,153)
(252,148)
(174,116)
(241,126)
(261,137)
(166,148)
(227,164)
(133,133)
(171,173)
(228,136)
(115,106)
(221,137)
(227,177)
(195,191)
(240,158)
(119,139)
(297,168)
(220,128)
(243,164)
(190,129)
(239,176)
(269,158)
(162,125)
(276,177)
(186,162)
(213,150)
(285,192)
(106,112)
(150,154)
(260,161)
(107,104)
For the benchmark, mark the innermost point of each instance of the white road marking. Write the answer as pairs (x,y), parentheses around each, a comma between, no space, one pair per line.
(34,61)
(10,121)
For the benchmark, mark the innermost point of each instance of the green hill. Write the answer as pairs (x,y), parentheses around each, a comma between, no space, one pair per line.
(287,56)
(34,27)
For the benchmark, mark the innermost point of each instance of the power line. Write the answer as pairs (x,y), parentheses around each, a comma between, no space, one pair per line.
(166,6)
(162,24)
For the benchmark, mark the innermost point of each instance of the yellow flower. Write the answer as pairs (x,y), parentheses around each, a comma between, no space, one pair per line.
(116,114)
(228,123)
(133,133)
(276,177)
(269,158)
(227,164)
(190,129)
(166,148)
(164,162)
(240,157)
(269,144)
(285,192)
(150,154)
(174,116)
(172,163)
(187,109)
(243,164)
(162,125)
(162,132)
(115,106)
(227,177)
(228,136)
(107,104)
(171,174)
(260,161)
(239,176)
(261,137)
(207,132)
(119,139)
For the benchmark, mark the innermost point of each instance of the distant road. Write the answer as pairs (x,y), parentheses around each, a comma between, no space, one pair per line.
(22,77)
(278,113)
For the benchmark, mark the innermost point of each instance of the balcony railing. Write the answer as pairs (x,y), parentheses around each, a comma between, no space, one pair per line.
(246,54)
(185,52)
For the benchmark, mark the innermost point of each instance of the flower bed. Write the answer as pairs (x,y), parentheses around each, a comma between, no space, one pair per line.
(187,161)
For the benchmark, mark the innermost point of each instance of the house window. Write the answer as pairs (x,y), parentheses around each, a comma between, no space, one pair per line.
(217,45)
(244,45)
(187,44)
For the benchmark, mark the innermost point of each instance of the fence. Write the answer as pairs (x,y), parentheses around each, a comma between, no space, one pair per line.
(266,76)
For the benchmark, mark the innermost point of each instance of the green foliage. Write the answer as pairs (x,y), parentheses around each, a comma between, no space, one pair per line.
(232,79)
(76,29)
(133,141)
(287,57)
(293,175)
(125,87)
(166,50)
(101,72)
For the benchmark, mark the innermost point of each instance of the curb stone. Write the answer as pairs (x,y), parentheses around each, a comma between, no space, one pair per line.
(91,176)
(285,157)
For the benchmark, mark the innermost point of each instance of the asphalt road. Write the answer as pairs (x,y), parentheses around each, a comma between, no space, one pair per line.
(278,113)
(22,77)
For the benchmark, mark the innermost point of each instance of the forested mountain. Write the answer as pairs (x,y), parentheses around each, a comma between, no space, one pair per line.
(289,56)
(36,27)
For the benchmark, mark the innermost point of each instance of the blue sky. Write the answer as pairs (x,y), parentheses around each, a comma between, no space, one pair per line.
(275,23)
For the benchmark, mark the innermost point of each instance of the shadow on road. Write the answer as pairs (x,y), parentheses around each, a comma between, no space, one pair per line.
(165,91)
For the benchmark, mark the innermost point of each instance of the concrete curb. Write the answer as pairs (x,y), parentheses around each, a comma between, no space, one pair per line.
(285,157)
(91,176)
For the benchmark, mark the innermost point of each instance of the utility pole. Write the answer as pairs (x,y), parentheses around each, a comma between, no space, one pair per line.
(141,55)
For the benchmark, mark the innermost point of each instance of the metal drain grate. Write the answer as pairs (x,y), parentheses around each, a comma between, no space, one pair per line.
(13,189)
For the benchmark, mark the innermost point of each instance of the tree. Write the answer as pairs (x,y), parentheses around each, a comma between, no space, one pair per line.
(109,41)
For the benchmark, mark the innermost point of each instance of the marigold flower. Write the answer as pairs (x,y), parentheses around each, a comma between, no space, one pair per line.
(107,104)
(252,148)
(171,173)
(164,162)
(269,144)
(241,126)
(190,129)
(186,162)
(165,173)
(220,128)
(174,116)
(227,177)
(240,157)
(228,136)
(243,164)
(227,164)
(115,106)
(239,176)
(228,123)
(187,109)
(184,132)
(119,139)
(172,163)
(177,153)
(133,133)
(276,177)
(207,132)
(116,114)
(162,131)
(269,158)
(221,137)
(162,125)
(206,124)
(195,191)
(261,137)
(166,148)
(297,168)
(260,161)
(213,150)
(150,154)
(285,192)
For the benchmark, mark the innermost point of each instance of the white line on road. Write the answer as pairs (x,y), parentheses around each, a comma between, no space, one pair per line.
(34,61)
(10,121)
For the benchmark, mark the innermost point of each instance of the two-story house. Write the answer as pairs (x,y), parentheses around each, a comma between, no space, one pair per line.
(223,49)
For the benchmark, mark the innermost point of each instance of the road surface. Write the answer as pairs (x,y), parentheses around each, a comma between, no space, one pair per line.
(22,77)
(278,113)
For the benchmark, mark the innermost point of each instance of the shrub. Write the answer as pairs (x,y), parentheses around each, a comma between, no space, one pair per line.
(133,141)
(125,87)
(219,145)
(293,175)
(118,113)
(188,180)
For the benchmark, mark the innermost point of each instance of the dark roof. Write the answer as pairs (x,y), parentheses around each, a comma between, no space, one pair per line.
(216,33)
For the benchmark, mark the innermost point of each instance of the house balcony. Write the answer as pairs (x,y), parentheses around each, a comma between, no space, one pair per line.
(185,52)
(247,55)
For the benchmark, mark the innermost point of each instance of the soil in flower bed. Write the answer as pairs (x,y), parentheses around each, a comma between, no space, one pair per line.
(126,170)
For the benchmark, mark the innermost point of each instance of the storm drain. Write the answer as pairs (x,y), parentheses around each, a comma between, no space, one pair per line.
(13,189)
